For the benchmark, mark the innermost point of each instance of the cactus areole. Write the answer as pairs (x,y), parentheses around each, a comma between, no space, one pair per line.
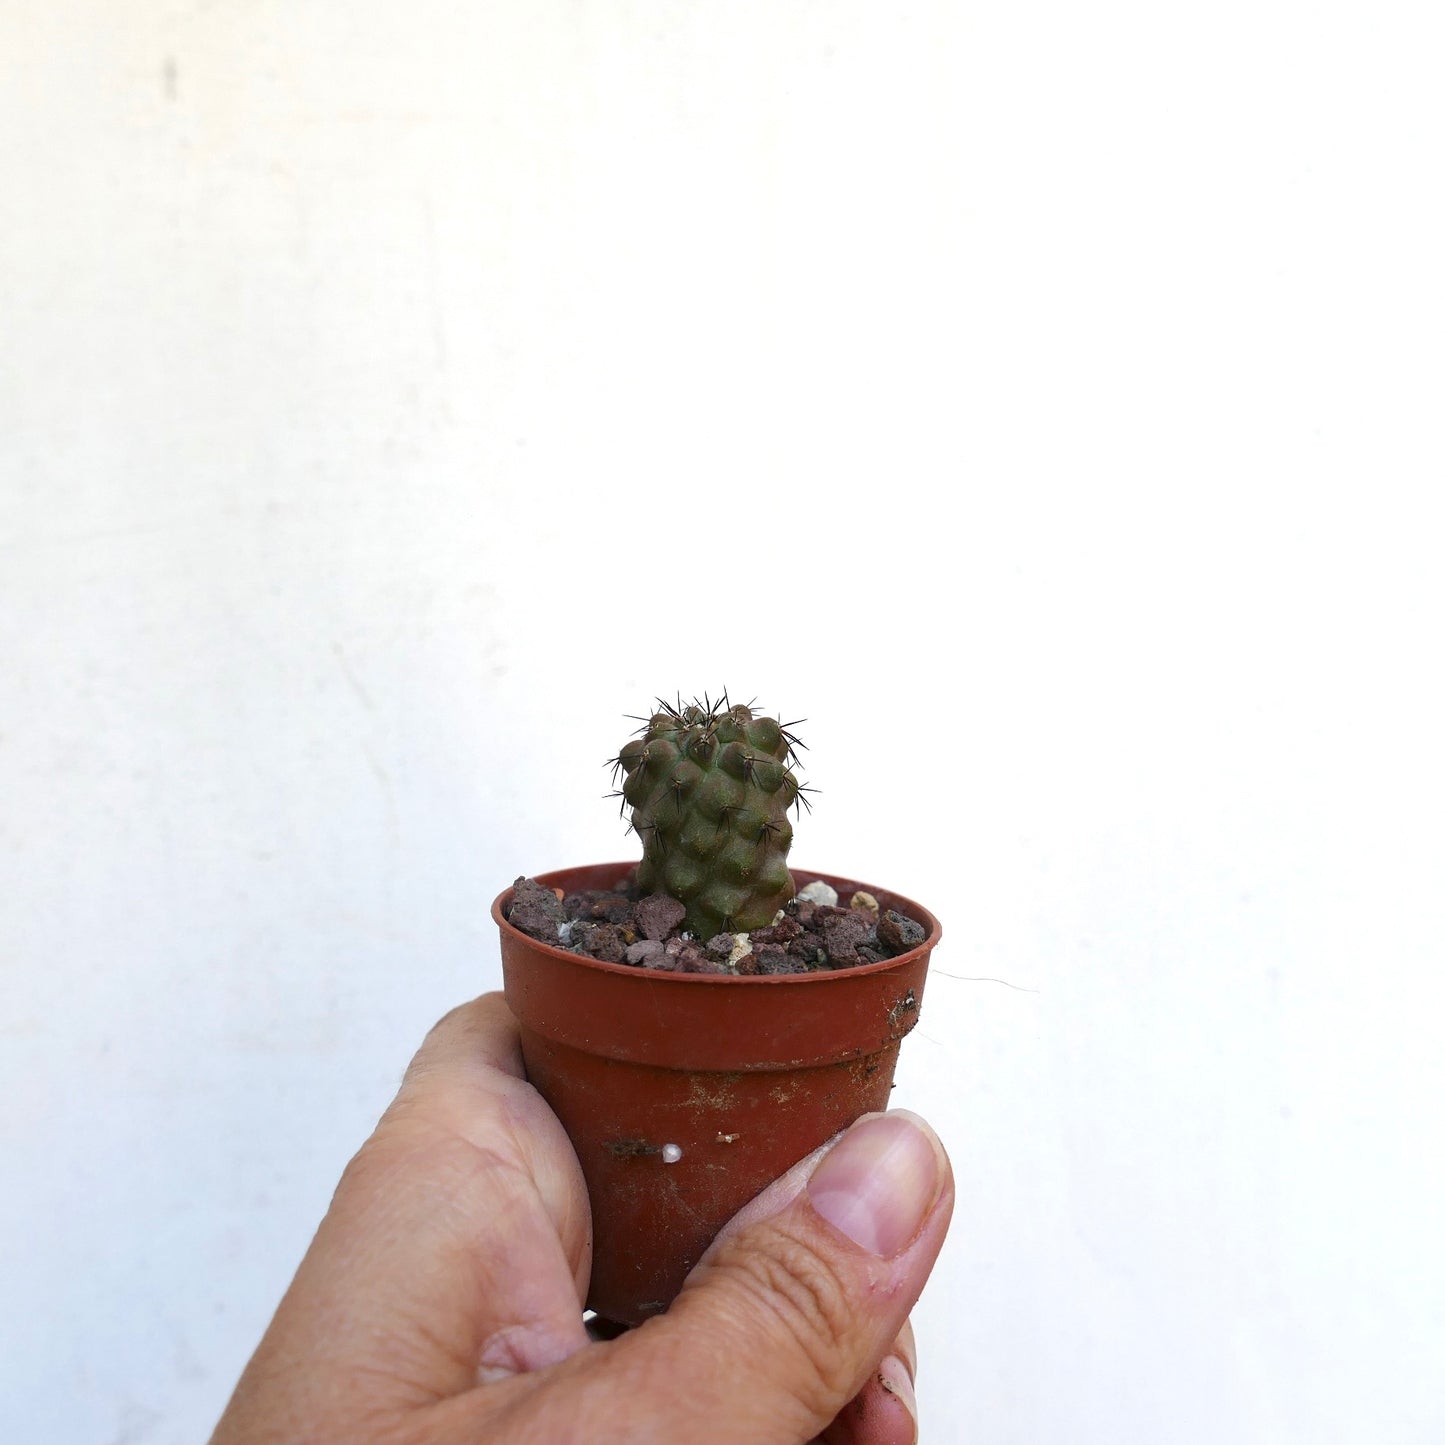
(710,786)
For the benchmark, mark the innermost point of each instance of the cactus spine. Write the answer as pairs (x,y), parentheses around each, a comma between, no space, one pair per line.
(710,785)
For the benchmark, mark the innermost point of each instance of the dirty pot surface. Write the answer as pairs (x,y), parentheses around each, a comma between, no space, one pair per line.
(684,1095)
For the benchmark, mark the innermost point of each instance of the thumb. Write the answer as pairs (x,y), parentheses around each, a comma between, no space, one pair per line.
(800,1297)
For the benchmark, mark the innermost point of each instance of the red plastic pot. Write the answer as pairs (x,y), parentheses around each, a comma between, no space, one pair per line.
(685,1094)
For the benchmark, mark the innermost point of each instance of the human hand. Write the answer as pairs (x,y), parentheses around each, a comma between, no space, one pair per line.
(441,1300)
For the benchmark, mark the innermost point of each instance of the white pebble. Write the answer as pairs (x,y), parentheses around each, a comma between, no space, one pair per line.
(741,948)
(671,1153)
(823,894)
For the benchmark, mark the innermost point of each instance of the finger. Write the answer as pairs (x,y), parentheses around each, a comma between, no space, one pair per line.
(808,1300)
(883,1412)
(786,1317)
(467,1079)
(473,1037)
(456,1246)
(508,1261)
(906,1348)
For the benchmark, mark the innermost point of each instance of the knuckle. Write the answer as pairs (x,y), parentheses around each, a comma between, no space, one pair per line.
(398,1160)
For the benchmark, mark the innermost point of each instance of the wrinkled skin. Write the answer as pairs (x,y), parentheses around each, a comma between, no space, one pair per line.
(440,1302)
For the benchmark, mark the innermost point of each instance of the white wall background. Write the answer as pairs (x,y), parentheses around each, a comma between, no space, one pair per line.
(1042,399)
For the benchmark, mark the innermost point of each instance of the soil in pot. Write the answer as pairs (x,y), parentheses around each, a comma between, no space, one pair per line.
(818,930)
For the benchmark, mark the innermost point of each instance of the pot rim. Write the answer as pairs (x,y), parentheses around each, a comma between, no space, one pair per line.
(804,876)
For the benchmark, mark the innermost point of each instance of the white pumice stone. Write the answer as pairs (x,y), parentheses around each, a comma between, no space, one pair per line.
(823,894)
(671,1153)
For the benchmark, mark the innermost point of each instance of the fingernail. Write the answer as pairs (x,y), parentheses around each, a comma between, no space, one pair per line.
(894,1377)
(879,1181)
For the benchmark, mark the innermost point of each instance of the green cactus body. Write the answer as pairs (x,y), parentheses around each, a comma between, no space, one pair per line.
(710,787)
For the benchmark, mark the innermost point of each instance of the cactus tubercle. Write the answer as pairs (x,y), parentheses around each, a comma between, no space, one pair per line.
(710,786)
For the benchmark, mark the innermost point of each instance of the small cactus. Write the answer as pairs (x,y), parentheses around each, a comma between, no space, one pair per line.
(710,786)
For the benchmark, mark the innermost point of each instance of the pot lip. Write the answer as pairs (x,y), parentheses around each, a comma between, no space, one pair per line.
(660,976)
